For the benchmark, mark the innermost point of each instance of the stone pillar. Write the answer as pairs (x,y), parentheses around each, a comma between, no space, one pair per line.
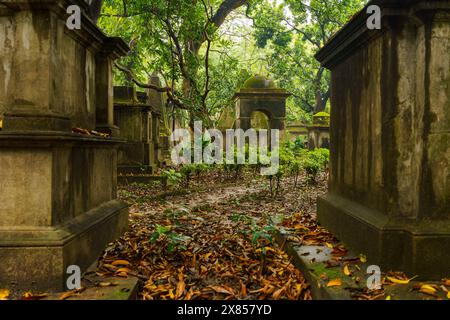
(156,100)
(389,188)
(104,88)
(243,123)
(58,199)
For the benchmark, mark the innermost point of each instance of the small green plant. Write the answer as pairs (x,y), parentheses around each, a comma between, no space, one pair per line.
(172,177)
(312,168)
(294,170)
(262,236)
(275,180)
(241,218)
(174,241)
(314,162)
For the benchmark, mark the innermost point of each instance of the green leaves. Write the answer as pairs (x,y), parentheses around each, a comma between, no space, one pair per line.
(171,38)
(291,33)
(173,240)
(173,177)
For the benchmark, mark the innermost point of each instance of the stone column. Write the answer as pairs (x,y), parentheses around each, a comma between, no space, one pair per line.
(104,88)
(156,100)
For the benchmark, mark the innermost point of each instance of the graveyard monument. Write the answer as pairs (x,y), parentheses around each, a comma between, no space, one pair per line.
(139,123)
(260,94)
(389,186)
(319,131)
(58,202)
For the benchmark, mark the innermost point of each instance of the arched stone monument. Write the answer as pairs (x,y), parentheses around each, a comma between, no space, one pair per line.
(260,94)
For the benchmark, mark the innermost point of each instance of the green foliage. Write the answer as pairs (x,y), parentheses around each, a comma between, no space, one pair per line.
(262,235)
(173,177)
(315,161)
(189,170)
(205,63)
(291,32)
(180,41)
(173,240)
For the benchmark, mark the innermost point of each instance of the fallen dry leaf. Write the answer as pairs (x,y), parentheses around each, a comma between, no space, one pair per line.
(334,283)
(123,270)
(428,290)
(68,294)
(243,289)
(276,295)
(347,271)
(4,294)
(120,263)
(400,281)
(221,289)
(180,286)
(122,274)
(219,260)
(33,296)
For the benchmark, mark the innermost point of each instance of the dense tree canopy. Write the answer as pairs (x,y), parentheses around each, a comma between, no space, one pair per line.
(292,31)
(204,49)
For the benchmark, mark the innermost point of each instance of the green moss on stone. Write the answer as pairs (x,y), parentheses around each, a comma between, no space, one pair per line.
(321,118)
(331,273)
(259,82)
(322,114)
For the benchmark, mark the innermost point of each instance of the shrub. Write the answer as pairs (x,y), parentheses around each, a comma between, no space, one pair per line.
(172,177)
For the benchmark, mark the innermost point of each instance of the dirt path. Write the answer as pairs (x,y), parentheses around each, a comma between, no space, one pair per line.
(212,242)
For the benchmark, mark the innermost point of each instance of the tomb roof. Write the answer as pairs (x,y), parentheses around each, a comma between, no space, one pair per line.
(259,82)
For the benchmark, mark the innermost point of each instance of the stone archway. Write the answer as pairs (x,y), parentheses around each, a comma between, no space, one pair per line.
(259,120)
(260,94)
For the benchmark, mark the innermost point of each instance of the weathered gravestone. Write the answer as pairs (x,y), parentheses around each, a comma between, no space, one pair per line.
(139,126)
(319,131)
(389,188)
(58,203)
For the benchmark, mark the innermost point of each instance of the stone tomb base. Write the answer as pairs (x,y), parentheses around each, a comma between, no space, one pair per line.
(393,245)
(58,206)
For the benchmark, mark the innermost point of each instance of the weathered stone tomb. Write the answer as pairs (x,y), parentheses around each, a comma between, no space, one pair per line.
(58,202)
(389,188)
(139,127)
(319,131)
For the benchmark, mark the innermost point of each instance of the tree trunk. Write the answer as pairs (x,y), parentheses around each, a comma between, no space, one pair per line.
(321,103)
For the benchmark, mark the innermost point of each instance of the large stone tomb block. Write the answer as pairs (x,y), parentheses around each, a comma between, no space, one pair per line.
(389,186)
(58,190)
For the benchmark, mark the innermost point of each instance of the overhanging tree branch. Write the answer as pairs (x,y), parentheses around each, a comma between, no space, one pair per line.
(167,90)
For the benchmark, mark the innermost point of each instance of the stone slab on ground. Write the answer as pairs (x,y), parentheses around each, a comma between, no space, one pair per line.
(140,179)
(313,262)
(102,288)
